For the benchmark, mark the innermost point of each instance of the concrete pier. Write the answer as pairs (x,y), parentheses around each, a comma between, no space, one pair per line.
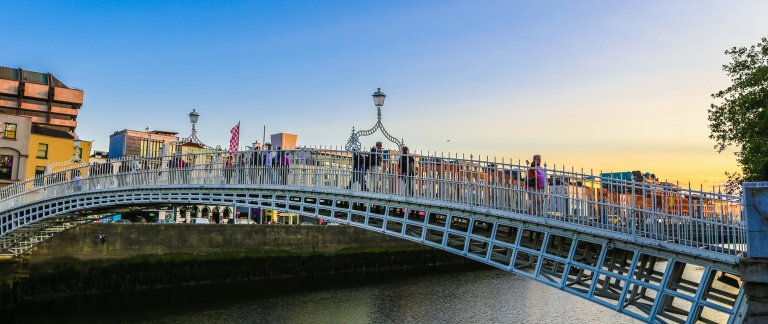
(754,270)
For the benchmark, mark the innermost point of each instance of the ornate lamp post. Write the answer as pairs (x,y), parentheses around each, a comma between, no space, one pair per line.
(193,117)
(75,157)
(353,144)
(76,154)
(149,142)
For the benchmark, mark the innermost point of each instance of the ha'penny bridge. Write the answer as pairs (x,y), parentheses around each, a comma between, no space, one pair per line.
(656,252)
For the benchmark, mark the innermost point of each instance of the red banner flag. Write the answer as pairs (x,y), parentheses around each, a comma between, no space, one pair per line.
(234,142)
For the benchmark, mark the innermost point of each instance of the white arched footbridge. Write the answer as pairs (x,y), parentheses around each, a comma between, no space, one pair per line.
(653,251)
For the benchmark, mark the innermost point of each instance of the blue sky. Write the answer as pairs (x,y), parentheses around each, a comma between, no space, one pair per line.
(597,84)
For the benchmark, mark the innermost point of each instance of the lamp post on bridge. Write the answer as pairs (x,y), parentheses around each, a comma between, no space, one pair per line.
(353,144)
(149,142)
(75,156)
(193,117)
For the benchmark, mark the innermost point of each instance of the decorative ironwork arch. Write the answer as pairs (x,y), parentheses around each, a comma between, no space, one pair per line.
(353,143)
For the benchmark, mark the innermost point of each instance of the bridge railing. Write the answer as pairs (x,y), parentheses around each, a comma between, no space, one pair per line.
(695,219)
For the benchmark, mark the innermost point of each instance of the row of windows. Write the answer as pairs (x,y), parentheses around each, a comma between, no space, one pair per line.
(155,148)
(42,151)
(34,113)
(35,101)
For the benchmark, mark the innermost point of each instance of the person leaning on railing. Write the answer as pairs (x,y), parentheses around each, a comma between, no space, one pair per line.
(537,182)
(269,164)
(281,166)
(407,171)
(256,161)
(374,168)
(360,165)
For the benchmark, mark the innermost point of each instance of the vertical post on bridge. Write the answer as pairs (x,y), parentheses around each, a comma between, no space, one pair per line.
(754,269)
(756,217)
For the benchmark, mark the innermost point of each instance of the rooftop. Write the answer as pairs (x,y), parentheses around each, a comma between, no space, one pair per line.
(158,132)
(45,131)
(15,74)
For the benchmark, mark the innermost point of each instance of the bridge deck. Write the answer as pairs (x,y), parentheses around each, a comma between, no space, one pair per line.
(630,246)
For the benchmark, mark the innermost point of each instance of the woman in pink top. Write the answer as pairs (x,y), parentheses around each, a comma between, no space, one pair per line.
(537,183)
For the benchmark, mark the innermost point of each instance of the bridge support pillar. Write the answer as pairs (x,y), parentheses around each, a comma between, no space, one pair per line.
(754,270)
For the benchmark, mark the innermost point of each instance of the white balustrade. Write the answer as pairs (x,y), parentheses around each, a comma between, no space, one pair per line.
(696,219)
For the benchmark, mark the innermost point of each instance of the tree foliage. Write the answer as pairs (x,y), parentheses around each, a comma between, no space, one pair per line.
(739,118)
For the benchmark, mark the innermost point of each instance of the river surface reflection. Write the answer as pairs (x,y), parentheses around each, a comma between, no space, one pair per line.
(483,296)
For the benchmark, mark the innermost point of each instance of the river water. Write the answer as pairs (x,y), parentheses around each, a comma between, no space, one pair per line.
(481,296)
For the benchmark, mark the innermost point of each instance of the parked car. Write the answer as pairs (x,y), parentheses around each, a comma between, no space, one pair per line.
(166,221)
(199,221)
(306,223)
(122,221)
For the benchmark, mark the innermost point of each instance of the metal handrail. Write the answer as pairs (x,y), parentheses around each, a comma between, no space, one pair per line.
(695,219)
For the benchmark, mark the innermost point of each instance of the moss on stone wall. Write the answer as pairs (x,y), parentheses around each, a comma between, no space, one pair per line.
(162,255)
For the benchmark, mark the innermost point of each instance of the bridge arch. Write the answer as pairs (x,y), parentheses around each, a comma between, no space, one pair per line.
(627,244)
(646,283)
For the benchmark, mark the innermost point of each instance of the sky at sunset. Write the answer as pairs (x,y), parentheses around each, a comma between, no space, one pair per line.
(608,85)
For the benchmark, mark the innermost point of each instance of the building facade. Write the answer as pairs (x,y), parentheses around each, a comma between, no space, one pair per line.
(40,96)
(285,141)
(99,157)
(129,142)
(14,148)
(48,146)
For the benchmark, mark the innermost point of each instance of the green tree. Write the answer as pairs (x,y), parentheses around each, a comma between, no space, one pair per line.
(739,118)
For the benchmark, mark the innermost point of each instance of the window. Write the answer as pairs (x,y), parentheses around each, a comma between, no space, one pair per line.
(35,101)
(156,148)
(79,152)
(6,167)
(39,172)
(62,105)
(42,151)
(62,117)
(10,131)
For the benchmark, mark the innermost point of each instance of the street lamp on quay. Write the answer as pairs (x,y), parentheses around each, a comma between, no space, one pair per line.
(353,144)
